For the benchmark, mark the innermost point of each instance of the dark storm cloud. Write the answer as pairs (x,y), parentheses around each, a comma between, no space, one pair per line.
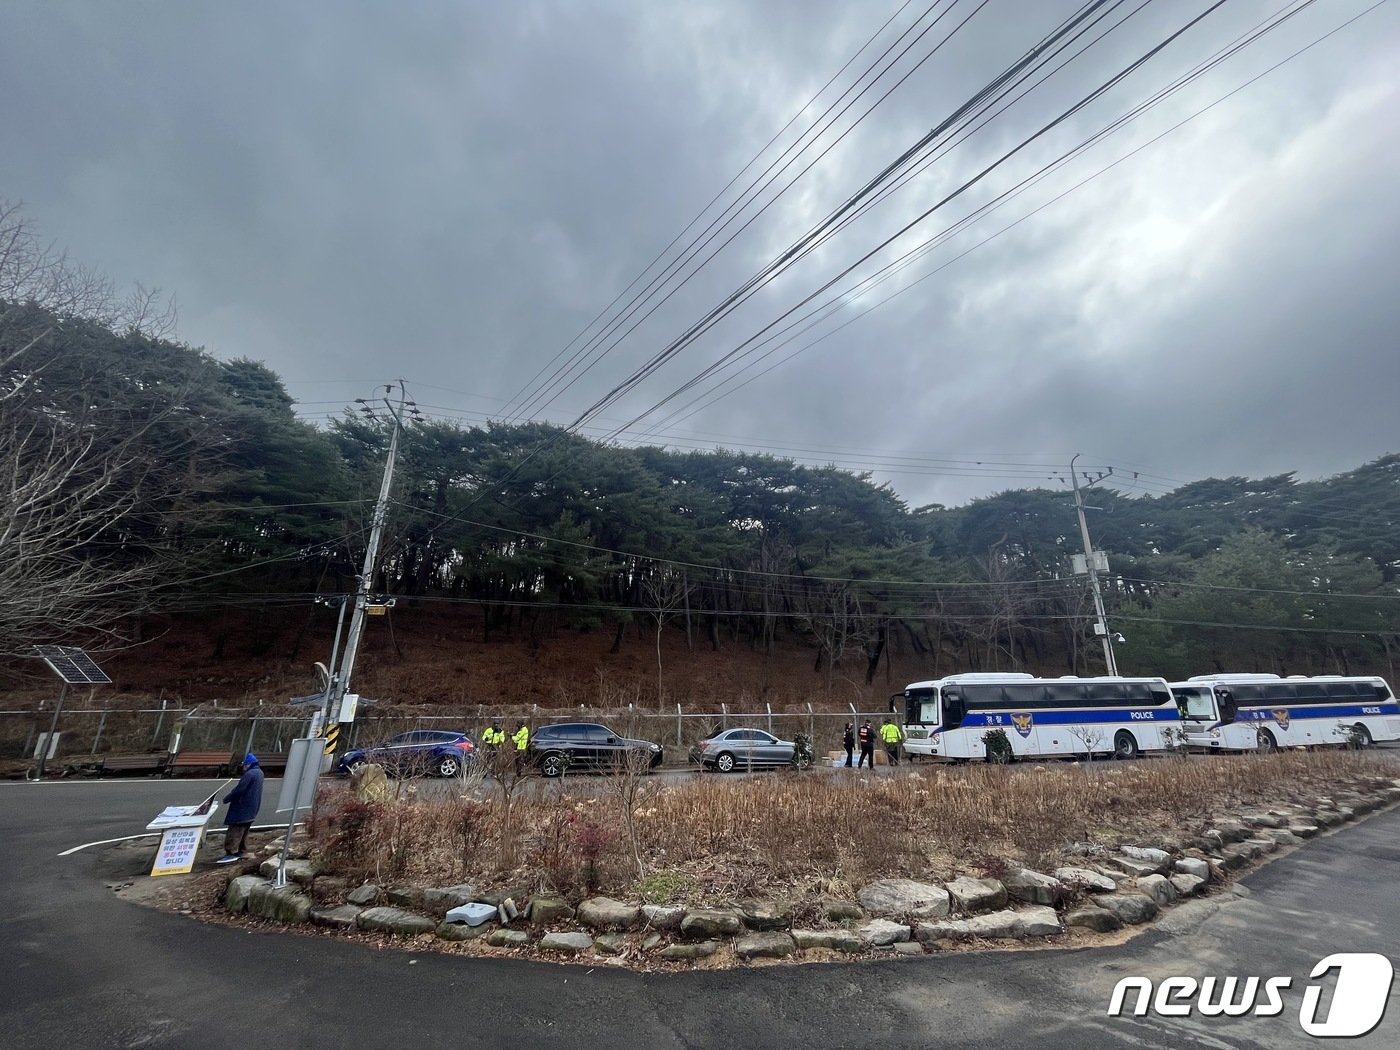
(450,192)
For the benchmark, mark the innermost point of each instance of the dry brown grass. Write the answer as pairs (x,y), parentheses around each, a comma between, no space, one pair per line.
(710,839)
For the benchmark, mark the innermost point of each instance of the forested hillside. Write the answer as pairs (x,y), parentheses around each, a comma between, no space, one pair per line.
(148,482)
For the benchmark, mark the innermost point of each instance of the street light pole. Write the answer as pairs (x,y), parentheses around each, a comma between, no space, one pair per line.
(1101,624)
(341,683)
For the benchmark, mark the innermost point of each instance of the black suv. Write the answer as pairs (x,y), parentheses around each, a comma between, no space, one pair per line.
(586,745)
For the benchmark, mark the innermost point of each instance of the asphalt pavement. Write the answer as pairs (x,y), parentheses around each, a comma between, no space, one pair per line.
(88,969)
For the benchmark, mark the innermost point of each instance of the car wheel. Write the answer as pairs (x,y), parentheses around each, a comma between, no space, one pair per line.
(553,764)
(1124,746)
(448,766)
(1360,737)
(725,763)
(1267,742)
(357,765)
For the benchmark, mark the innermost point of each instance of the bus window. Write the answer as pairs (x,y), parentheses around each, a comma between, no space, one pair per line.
(1067,694)
(1106,694)
(1158,694)
(1249,694)
(981,696)
(1341,692)
(953,708)
(1228,710)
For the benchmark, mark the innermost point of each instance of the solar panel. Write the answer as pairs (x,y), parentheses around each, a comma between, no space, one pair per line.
(72,664)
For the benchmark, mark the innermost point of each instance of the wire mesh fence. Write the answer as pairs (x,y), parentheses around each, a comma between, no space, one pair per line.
(92,733)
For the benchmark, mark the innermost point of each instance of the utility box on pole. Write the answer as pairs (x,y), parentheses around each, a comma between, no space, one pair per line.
(1080,565)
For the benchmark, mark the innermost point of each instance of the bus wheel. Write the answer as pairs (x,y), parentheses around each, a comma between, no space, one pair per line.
(1360,737)
(1267,743)
(1124,746)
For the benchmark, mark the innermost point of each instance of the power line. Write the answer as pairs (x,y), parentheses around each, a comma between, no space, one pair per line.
(720,222)
(841,301)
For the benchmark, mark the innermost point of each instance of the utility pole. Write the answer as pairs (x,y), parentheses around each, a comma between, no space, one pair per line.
(1101,624)
(340,684)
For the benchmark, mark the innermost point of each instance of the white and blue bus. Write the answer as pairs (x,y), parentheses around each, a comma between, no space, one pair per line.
(1210,719)
(1300,712)
(1041,717)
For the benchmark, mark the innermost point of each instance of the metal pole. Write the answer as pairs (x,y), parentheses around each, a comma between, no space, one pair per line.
(357,621)
(680,723)
(1102,623)
(160,721)
(47,742)
(101,724)
(335,654)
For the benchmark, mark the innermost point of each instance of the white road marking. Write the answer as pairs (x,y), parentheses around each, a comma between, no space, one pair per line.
(155,834)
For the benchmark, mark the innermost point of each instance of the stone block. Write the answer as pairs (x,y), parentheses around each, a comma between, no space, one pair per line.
(1158,888)
(900,897)
(662,916)
(567,943)
(765,914)
(1090,881)
(974,895)
(394,920)
(1092,917)
(604,913)
(881,932)
(703,923)
(239,890)
(1022,884)
(340,917)
(768,944)
(1132,909)
(547,908)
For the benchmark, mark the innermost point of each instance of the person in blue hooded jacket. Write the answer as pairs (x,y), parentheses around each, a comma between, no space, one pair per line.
(243,803)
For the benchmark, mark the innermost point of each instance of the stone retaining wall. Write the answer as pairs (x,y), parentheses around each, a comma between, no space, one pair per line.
(1108,889)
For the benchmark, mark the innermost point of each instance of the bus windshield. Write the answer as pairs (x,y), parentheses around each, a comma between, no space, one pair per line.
(921,707)
(1198,704)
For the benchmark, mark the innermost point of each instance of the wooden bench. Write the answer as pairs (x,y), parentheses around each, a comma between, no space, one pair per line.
(276,762)
(219,761)
(149,762)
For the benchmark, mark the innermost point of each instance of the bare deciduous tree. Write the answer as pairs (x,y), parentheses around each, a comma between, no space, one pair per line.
(664,588)
(73,472)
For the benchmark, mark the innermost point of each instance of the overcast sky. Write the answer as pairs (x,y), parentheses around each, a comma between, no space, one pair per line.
(452,192)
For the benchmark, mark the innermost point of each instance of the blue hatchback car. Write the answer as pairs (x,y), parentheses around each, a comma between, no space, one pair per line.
(421,752)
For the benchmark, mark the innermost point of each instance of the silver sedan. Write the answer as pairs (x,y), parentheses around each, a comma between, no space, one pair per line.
(740,749)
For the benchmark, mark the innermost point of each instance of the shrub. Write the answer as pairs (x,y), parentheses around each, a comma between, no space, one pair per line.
(998,746)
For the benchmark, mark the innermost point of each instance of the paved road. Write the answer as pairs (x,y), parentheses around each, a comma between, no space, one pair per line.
(85,969)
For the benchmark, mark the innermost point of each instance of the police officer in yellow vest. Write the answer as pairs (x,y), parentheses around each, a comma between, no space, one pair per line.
(521,738)
(891,734)
(494,736)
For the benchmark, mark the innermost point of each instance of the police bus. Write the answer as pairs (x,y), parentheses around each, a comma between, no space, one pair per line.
(1210,720)
(1299,711)
(1040,717)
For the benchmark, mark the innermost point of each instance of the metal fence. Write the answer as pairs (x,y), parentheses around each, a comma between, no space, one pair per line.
(92,732)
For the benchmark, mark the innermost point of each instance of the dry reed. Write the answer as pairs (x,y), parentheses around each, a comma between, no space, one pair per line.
(710,838)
